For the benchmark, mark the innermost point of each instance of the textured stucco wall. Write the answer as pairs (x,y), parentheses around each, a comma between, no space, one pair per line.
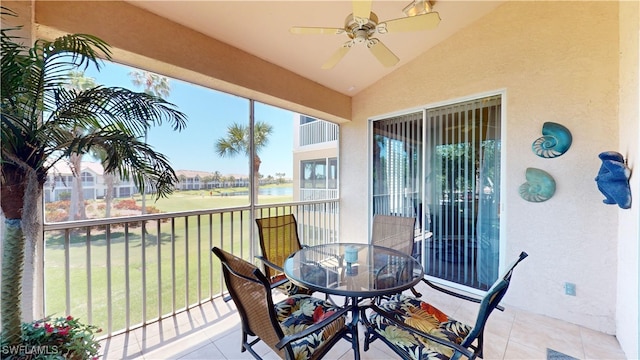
(627,330)
(557,62)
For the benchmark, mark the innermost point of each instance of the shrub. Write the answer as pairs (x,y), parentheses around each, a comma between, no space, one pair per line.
(127,204)
(59,338)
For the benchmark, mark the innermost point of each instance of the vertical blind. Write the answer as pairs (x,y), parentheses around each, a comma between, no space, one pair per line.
(397,154)
(445,171)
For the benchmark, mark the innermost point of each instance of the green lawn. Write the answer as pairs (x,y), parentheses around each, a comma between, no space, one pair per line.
(155,260)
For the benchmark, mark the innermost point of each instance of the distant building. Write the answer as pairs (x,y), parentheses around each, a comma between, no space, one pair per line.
(315,159)
(60,182)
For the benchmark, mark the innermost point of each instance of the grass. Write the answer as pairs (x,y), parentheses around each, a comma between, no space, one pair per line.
(152,284)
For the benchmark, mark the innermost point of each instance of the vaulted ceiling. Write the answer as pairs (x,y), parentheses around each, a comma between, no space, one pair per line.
(261,28)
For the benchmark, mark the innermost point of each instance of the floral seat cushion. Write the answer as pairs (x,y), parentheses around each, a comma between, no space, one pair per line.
(297,313)
(289,288)
(423,317)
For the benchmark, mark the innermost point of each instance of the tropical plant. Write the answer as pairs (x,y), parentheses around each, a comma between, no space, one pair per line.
(236,142)
(55,338)
(38,115)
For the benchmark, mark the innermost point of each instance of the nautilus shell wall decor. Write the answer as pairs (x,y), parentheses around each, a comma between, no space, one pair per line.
(539,187)
(556,140)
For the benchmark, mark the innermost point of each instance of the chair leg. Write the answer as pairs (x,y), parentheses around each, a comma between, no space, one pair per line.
(480,345)
(244,341)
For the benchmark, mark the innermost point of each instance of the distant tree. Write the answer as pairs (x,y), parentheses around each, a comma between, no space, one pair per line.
(236,142)
(109,180)
(154,85)
(217,178)
(78,82)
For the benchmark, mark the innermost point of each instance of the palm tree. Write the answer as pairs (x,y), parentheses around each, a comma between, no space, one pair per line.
(78,82)
(109,181)
(153,84)
(38,117)
(237,143)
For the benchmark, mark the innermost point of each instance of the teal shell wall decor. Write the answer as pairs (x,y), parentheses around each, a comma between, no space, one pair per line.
(556,140)
(540,186)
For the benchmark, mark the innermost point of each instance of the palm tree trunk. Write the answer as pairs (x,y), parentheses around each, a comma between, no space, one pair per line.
(21,194)
(12,264)
(77,210)
(256,177)
(109,180)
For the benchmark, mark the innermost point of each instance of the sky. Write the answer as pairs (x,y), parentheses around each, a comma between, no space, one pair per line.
(209,114)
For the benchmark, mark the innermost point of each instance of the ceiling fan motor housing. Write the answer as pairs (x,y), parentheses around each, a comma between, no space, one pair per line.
(361,32)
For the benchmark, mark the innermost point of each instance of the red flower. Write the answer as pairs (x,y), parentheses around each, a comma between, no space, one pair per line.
(48,328)
(64,331)
(69,318)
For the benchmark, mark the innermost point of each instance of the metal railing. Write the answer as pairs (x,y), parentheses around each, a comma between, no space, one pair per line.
(317,132)
(123,273)
(318,194)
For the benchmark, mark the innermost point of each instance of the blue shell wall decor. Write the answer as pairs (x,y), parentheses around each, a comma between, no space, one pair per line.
(556,140)
(540,186)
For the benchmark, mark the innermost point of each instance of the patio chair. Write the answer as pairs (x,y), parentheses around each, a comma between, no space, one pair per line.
(279,239)
(395,232)
(410,326)
(300,326)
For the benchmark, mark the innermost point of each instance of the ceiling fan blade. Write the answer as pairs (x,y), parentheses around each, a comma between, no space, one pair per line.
(362,10)
(426,21)
(338,55)
(382,53)
(302,30)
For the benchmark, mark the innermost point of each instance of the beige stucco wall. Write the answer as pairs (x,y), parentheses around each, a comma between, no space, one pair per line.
(557,62)
(629,220)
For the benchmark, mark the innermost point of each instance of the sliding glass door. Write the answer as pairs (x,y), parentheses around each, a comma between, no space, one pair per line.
(442,165)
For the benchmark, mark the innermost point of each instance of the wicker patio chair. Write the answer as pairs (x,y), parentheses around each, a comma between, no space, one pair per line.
(395,232)
(278,240)
(299,327)
(413,328)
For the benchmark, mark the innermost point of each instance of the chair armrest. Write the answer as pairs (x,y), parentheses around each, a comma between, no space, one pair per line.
(311,329)
(455,294)
(269,263)
(456,347)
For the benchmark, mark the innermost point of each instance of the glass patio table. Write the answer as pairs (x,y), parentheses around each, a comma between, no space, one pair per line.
(355,271)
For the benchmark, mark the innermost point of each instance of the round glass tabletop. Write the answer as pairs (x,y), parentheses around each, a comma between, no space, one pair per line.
(353,270)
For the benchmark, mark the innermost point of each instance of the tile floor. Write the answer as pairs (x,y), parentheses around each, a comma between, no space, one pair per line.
(212,331)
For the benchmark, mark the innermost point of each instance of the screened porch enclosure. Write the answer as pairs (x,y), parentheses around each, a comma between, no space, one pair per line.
(442,166)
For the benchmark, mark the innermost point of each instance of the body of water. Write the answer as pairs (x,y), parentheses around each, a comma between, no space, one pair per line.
(273,191)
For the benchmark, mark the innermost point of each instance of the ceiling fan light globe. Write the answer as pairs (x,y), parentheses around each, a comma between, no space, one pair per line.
(417,7)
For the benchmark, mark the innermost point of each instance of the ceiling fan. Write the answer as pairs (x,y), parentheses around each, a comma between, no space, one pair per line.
(362,24)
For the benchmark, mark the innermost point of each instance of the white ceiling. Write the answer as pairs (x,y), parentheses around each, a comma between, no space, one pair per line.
(262,27)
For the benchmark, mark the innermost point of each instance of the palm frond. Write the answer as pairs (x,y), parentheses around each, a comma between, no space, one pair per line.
(131,158)
(111,105)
